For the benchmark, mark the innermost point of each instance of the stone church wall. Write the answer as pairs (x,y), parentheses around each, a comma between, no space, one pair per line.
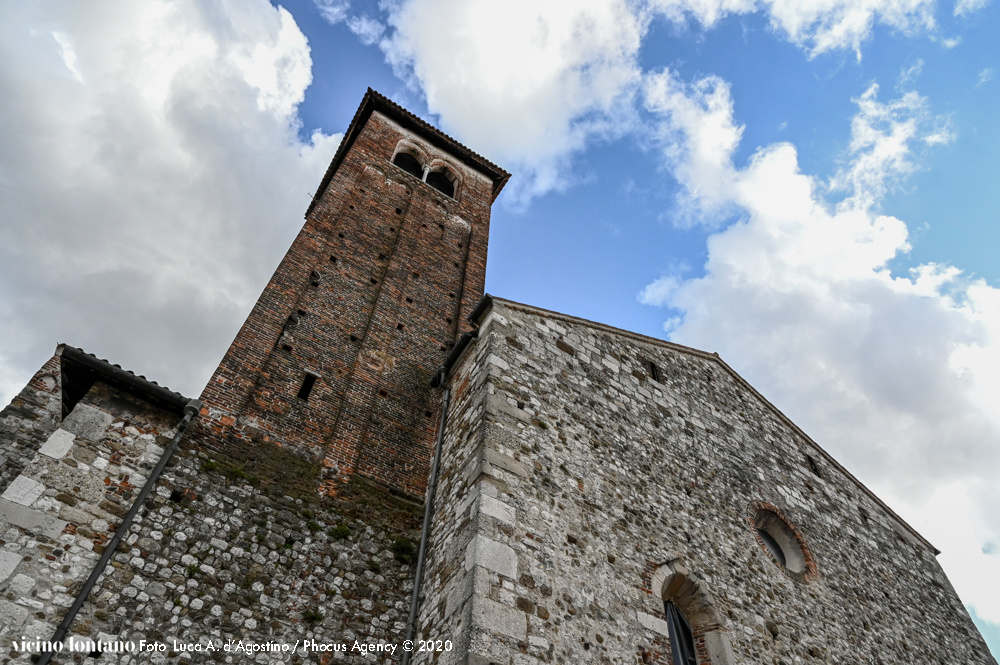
(587,475)
(578,483)
(66,483)
(219,553)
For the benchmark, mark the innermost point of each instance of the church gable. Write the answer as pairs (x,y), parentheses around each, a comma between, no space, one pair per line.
(621,474)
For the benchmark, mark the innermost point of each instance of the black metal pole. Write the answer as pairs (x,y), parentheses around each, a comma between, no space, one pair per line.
(190,411)
(428,512)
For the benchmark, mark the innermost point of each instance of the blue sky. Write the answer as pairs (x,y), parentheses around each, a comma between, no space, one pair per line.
(805,188)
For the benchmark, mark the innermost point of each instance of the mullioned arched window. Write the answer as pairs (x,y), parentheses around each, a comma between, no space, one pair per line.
(442,181)
(408,163)
(415,160)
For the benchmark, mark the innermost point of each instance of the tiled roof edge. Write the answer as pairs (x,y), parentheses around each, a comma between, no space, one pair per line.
(116,375)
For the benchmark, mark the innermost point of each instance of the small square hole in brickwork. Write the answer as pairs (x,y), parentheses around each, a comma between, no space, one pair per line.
(307,385)
(381,257)
(383,393)
(301,312)
(416,275)
(443,348)
(423,225)
(374,281)
(410,300)
(362,189)
(333,259)
(399,211)
(351,207)
(354,338)
(456,264)
(428,414)
(286,347)
(340,235)
(448,320)
(399,326)
(654,371)
(392,230)
(460,245)
(451,295)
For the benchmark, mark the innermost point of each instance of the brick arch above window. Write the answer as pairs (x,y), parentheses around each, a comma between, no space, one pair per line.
(673,582)
(444,177)
(782,541)
(411,157)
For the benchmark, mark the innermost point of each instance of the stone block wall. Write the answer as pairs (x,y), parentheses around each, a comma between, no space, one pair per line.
(581,481)
(217,559)
(28,421)
(217,554)
(59,508)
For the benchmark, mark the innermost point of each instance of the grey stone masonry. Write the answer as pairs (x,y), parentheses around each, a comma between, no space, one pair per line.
(75,478)
(28,420)
(218,554)
(588,474)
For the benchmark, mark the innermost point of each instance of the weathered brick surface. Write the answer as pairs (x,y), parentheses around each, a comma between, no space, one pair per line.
(380,280)
(572,479)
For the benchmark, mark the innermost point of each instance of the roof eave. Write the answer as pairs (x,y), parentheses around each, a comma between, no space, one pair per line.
(373,101)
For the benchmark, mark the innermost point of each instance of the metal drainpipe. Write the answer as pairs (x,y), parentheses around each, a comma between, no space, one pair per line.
(192,409)
(439,380)
(428,512)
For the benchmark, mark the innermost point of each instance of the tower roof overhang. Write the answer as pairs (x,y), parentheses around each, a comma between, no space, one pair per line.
(374,101)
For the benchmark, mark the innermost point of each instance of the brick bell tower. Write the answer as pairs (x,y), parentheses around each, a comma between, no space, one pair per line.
(333,363)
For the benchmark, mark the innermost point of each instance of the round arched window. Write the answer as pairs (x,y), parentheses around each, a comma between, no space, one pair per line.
(408,163)
(781,540)
(442,181)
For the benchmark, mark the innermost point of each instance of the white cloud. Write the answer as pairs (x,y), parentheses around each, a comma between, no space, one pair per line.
(880,150)
(963,7)
(896,375)
(660,291)
(699,137)
(367,29)
(151,176)
(910,74)
(985,76)
(532,84)
(816,26)
(68,54)
(527,83)
(839,24)
(333,11)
